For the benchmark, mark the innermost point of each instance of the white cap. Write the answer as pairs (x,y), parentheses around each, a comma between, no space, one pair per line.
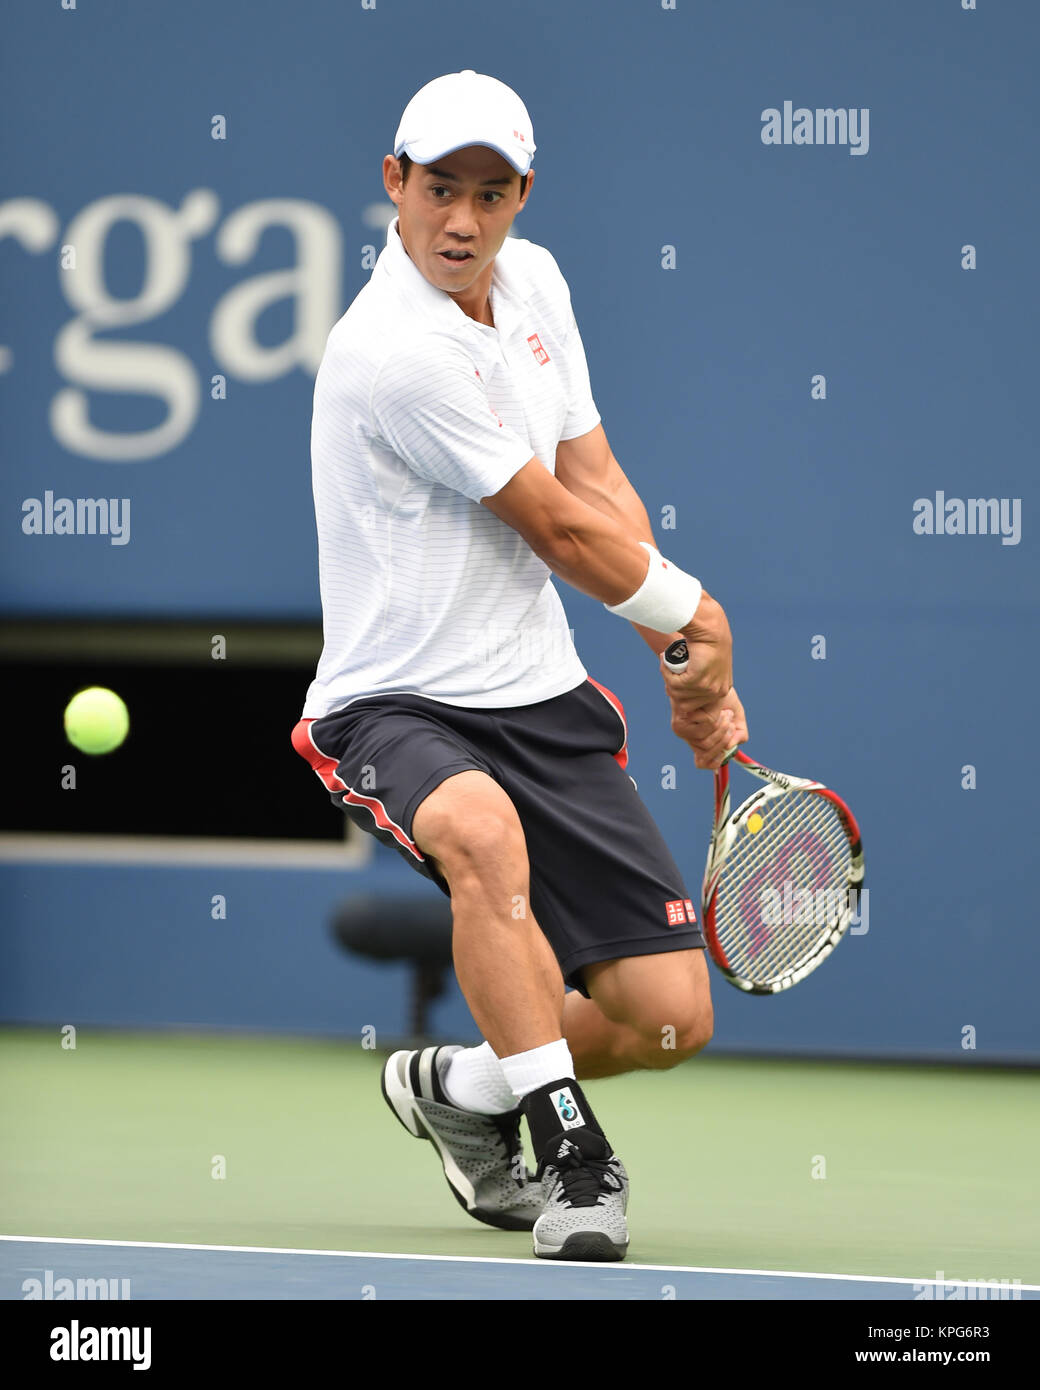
(466,108)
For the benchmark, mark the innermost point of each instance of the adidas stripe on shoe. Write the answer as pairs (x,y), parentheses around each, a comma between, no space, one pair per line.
(482,1155)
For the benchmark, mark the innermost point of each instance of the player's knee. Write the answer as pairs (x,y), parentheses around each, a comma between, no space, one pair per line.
(668,1043)
(471,828)
(488,847)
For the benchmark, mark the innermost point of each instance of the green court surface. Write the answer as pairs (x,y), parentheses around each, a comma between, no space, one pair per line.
(926,1169)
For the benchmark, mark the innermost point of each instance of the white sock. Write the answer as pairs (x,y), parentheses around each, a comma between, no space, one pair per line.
(526,1071)
(473,1080)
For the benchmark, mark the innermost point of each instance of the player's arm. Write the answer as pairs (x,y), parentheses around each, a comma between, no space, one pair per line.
(429,406)
(599,554)
(587,468)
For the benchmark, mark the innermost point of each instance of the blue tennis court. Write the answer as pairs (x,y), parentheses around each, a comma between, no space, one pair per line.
(195,1272)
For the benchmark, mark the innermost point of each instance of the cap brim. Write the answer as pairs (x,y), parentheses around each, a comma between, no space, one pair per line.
(421,153)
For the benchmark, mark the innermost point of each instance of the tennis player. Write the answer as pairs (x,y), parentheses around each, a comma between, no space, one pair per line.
(459,463)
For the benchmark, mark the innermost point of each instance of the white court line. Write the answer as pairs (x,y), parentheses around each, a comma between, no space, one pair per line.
(349,853)
(620,1266)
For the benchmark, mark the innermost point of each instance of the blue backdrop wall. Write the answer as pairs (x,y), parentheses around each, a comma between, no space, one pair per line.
(794,346)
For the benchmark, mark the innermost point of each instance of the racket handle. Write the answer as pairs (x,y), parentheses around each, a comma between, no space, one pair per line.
(677,658)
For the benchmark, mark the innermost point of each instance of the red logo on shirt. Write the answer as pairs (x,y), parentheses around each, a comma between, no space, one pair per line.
(678,911)
(540,354)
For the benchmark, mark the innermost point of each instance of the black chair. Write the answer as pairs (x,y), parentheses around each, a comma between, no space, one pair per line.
(416,930)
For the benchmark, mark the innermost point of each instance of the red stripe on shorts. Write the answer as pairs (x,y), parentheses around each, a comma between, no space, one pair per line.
(325,767)
(622,753)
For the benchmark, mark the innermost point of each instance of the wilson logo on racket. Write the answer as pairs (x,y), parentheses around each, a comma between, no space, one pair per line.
(777,902)
(804,861)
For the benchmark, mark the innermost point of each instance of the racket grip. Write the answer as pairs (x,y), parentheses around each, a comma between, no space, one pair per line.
(677,656)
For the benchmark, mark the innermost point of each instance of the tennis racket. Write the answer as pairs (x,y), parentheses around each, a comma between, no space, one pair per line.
(783,875)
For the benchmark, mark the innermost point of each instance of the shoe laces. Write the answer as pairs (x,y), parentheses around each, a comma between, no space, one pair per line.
(586,1182)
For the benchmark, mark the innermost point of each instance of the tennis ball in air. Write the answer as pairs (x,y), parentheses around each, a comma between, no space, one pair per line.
(754,823)
(96,720)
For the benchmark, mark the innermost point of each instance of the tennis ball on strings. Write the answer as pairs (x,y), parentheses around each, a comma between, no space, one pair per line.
(96,720)
(754,823)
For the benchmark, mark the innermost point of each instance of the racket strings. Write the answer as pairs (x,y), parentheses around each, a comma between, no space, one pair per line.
(783,889)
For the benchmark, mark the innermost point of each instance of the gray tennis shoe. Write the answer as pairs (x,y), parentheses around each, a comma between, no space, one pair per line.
(585,1195)
(482,1155)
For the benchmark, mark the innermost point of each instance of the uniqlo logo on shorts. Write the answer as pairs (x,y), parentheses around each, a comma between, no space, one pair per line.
(540,354)
(676,912)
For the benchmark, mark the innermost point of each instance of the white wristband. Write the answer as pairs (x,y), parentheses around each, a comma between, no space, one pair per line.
(665,601)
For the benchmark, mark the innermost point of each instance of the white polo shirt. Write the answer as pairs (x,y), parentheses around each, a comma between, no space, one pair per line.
(419,412)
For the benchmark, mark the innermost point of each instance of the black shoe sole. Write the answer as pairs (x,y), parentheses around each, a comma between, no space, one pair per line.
(587,1245)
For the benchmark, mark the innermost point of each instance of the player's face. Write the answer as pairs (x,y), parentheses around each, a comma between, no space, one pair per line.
(455,214)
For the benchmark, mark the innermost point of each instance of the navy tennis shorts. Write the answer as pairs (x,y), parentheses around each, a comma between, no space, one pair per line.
(604,884)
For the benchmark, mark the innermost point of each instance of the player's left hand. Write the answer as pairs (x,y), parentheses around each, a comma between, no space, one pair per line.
(712,730)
